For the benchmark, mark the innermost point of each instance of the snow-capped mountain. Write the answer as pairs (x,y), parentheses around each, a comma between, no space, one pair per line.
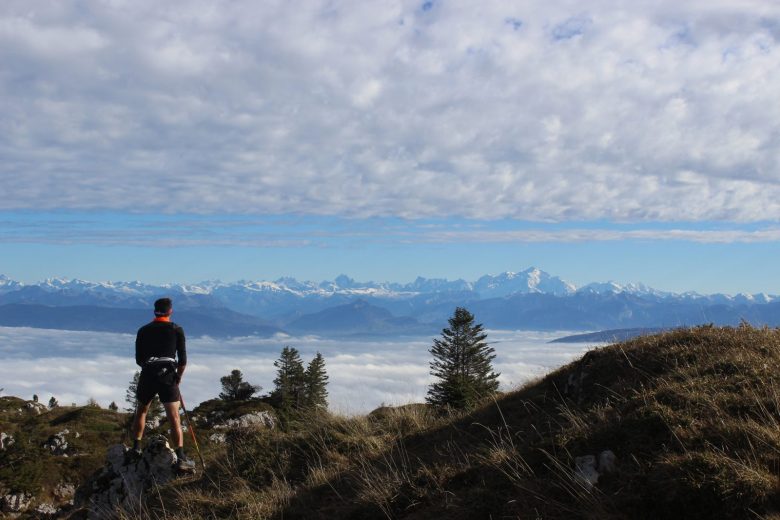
(531,280)
(530,298)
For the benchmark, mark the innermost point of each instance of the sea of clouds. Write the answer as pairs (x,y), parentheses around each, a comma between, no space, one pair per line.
(364,374)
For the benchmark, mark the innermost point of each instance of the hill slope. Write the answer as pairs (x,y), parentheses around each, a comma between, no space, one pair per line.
(691,416)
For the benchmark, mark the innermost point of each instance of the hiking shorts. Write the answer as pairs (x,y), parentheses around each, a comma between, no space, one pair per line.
(149,386)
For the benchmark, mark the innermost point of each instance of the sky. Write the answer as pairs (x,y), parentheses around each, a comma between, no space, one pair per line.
(184,141)
(385,372)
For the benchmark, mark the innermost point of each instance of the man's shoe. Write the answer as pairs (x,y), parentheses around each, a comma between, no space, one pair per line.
(185,465)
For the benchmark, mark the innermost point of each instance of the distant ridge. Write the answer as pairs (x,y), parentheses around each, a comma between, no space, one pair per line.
(610,336)
(530,299)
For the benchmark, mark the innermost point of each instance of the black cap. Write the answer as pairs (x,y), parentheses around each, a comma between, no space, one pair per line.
(163,306)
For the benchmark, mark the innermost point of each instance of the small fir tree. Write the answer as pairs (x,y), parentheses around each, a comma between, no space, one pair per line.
(113,407)
(289,385)
(462,363)
(315,383)
(234,388)
(53,403)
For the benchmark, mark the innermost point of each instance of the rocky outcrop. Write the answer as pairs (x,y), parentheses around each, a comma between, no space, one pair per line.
(218,438)
(5,440)
(125,477)
(588,468)
(58,443)
(258,419)
(35,407)
(64,491)
(15,502)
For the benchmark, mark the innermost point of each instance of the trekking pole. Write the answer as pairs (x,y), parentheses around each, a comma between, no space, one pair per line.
(192,431)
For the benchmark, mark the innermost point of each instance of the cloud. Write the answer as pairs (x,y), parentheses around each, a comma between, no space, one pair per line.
(315,232)
(661,111)
(74,366)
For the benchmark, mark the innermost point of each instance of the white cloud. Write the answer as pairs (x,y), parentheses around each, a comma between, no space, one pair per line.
(539,111)
(74,366)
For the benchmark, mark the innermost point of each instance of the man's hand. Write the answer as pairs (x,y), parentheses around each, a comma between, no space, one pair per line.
(179,373)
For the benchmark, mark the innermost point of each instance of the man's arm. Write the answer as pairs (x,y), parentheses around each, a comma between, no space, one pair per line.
(139,354)
(181,353)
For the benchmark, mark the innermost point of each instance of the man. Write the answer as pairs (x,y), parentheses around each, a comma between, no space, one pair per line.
(158,346)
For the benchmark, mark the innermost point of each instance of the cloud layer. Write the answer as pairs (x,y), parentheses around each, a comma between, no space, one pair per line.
(539,111)
(76,366)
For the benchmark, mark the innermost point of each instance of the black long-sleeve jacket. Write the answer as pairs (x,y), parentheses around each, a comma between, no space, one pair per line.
(160,339)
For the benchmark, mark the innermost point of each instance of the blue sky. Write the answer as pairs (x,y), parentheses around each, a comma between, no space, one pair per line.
(385,140)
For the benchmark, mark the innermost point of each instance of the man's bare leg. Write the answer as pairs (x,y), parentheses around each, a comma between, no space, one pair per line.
(139,423)
(172,411)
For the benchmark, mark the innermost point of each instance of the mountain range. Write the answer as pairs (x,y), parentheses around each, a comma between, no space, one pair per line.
(529,299)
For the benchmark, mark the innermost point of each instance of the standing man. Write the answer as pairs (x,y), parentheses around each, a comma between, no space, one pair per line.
(160,352)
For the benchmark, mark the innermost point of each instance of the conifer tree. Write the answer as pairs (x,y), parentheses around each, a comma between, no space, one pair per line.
(113,407)
(53,402)
(234,388)
(462,363)
(289,384)
(315,383)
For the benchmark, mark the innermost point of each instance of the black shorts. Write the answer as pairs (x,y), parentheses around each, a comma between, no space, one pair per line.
(149,386)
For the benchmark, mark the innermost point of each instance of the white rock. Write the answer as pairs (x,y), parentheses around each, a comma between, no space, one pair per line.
(15,502)
(64,490)
(607,460)
(218,438)
(5,440)
(46,509)
(262,419)
(585,470)
(124,478)
(58,444)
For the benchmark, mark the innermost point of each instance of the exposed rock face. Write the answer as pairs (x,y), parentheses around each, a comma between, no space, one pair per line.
(15,503)
(218,438)
(58,444)
(125,477)
(35,407)
(254,419)
(587,471)
(64,491)
(46,509)
(5,440)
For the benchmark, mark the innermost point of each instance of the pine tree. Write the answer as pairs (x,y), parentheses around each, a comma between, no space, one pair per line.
(53,403)
(315,382)
(155,409)
(289,384)
(462,362)
(234,388)
(113,407)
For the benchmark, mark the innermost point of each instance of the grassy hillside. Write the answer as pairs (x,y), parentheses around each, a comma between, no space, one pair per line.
(28,466)
(691,415)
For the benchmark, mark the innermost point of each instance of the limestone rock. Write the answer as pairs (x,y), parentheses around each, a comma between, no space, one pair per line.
(5,440)
(46,509)
(35,407)
(15,502)
(262,419)
(607,462)
(58,444)
(64,491)
(585,470)
(218,438)
(124,478)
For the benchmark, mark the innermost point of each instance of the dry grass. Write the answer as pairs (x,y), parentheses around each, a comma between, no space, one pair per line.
(692,416)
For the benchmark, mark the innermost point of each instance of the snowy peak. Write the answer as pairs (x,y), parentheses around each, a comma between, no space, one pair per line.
(531,280)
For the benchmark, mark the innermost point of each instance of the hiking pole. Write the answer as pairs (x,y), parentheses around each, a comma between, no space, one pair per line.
(192,430)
